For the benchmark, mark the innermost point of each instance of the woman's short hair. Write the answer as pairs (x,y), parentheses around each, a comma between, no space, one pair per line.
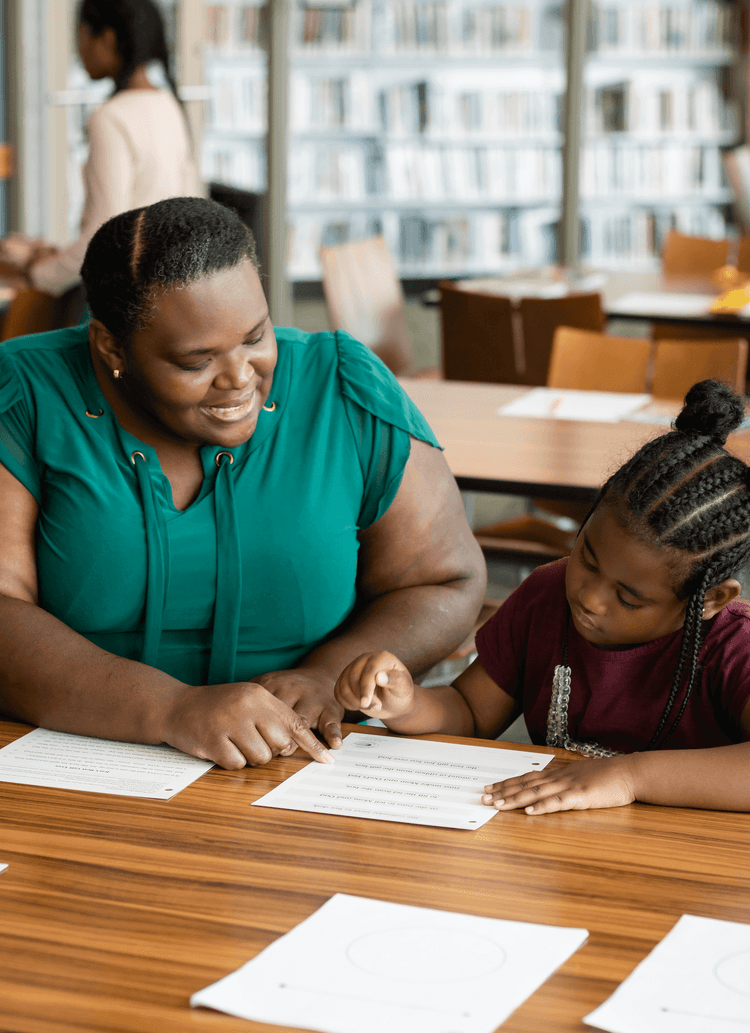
(138,255)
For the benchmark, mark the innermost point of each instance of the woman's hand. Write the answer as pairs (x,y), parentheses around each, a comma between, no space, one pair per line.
(309,693)
(378,684)
(609,782)
(236,725)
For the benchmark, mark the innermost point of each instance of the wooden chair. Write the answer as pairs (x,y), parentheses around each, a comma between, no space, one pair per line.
(34,312)
(680,364)
(692,256)
(540,317)
(30,312)
(477,337)
(364,297)
(587,361)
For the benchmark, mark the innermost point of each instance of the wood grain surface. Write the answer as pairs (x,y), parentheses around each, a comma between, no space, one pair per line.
(114,910)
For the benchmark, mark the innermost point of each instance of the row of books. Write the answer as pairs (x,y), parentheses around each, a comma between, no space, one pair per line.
(653,109)
(480,242)
(238,99)
(650,170)
(238,26)
(677,28)
(235,163)
(501,174)
(408,173)
(343,26)
(467,27)
(636,237)
(421,108)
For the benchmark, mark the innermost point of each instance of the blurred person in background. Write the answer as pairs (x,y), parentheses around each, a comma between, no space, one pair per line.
(139,144)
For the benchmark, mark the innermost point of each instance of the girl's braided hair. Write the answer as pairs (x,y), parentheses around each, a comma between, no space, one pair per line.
(139,30)
(136,256)
(685,493)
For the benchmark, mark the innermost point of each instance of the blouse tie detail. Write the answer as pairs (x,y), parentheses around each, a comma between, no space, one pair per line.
(228,576)
(226,621)
(157,559)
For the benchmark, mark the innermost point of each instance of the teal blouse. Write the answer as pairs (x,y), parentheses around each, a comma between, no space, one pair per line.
(262,566)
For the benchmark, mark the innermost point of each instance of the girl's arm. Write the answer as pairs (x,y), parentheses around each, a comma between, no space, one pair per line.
(379,685)
(716,779)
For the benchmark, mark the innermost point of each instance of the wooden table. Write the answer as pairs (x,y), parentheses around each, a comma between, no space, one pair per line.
(114,910)
(542,458)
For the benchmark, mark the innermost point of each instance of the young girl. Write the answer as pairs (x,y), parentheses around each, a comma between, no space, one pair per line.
(635,651)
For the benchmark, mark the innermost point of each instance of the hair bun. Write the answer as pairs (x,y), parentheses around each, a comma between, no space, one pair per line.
(711,410)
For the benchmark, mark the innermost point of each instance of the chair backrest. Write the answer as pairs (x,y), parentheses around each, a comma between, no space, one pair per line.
(588,361)
(477,336)
(540,318)
(30,312)
(364,298)
(692,256)
(680,364)
(743,255)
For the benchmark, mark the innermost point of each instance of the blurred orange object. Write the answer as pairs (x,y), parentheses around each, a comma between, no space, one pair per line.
(732,301)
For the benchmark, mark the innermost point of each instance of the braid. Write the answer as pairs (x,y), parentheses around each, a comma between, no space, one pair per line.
(685,493)
(691,643)
(139,254)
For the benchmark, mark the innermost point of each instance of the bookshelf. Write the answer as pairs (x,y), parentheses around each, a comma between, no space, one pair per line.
(437,124)
(661,99)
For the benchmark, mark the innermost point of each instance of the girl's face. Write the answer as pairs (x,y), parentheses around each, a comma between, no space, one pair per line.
(620,589)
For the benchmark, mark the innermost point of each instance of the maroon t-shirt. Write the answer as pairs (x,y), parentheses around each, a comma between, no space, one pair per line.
(617,695)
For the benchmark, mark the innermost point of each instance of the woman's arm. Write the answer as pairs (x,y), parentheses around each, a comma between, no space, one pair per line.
(52,676)
(422,579)
(108,185)
(716,779)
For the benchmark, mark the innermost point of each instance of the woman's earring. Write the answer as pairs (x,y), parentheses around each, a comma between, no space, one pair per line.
(116,374)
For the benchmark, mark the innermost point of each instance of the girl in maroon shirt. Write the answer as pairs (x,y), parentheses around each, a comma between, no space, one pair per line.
(634,652)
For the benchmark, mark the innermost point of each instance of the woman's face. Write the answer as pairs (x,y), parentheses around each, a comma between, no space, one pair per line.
(99,54)
(203,368)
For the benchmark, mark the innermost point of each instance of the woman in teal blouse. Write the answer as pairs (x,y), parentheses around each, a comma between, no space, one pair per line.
(203,521)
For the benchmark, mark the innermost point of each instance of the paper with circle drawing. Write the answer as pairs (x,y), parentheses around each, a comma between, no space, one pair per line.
(372,966)
(409,780)
(697,980)
(62,761)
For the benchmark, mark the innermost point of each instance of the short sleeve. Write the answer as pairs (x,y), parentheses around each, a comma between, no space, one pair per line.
(383,419)
(16,429)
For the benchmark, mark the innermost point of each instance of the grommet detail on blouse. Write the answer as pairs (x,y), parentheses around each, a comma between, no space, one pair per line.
(269,408)
(134,454)
(95,415)
(220,454)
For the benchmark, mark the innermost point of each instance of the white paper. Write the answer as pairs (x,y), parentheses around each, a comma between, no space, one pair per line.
(697,980)
(372,966)
(664,304)
(408,780)
(3,867)
(600,406)
(62,761)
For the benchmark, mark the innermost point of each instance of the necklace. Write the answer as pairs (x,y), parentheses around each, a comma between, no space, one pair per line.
(557,718)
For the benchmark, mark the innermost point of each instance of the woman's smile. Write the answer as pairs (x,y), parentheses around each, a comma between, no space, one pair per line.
(232,412)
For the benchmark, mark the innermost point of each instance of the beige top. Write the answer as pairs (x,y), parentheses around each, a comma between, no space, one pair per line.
(139,153)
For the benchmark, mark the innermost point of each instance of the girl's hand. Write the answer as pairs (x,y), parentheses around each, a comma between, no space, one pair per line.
(609,782)
(378,684)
